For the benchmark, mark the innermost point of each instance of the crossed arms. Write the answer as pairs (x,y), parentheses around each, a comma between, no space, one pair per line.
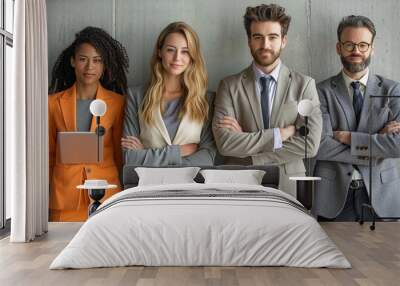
(353,147)
(232,140)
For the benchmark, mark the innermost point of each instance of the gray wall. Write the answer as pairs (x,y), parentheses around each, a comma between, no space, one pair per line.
(312,35)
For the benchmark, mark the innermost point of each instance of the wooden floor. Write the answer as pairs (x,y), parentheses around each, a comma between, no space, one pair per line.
(375,257)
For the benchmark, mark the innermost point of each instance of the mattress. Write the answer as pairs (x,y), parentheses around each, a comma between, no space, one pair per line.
(201,225)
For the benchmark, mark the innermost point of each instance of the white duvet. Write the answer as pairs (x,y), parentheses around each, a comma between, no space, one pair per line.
(207,230)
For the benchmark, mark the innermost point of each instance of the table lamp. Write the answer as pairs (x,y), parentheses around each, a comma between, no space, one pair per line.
(98,108)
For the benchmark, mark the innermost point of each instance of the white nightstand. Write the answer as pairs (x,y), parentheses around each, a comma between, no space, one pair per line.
(97,190)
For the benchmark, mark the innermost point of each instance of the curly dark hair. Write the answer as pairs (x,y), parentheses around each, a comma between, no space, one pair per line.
(114,56)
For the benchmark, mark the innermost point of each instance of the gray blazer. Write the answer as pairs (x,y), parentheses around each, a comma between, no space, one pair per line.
(168,155)
(236,97)
(336,161)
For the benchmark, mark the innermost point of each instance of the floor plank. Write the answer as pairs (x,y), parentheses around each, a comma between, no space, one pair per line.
(374,255)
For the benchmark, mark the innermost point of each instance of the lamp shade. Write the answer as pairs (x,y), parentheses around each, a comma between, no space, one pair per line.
(98,107)
(305,107)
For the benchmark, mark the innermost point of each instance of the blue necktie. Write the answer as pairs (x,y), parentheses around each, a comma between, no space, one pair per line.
(265,81)
(357,99)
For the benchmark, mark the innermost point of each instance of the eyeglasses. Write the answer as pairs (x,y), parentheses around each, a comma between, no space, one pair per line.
(350,46)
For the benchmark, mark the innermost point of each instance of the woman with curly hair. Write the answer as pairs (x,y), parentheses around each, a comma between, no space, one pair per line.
(168,121)
(94,66)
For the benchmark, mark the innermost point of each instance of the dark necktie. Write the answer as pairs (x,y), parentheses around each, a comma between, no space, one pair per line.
(357,99)
(265,81)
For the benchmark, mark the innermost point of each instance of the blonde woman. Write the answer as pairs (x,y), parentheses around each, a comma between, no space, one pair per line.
(168,122)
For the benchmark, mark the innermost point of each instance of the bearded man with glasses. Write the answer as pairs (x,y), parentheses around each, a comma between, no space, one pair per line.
(342,159)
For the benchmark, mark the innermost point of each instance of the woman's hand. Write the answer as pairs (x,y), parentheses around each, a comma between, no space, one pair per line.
(131,143)
(188,149)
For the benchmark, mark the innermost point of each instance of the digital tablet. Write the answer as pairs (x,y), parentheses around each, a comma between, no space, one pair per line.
(79,148)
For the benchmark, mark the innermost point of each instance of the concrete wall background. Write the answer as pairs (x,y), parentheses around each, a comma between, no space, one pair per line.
(219,24)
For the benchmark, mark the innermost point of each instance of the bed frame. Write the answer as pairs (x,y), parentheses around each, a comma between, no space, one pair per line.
(271,178)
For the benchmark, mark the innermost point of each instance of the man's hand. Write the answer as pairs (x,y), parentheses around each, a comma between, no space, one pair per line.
(231,123)
(343,137)
(390,128)
(188,149)
(287,132)
(131,143)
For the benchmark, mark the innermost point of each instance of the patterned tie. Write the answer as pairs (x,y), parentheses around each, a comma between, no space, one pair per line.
(265,81)
(357,99)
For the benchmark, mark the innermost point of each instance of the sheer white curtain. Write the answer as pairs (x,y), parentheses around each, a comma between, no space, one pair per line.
(26,124)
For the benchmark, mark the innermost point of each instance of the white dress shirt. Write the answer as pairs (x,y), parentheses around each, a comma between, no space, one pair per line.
(271,95)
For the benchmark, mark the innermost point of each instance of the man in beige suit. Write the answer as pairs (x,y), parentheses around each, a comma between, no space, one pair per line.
(255,118)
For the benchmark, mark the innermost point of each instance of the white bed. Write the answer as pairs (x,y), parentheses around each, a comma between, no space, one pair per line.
(201,224)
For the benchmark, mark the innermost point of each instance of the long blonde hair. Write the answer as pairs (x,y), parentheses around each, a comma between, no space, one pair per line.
(194,82)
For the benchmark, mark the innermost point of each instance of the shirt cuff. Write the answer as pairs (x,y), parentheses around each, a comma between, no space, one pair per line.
(277,139)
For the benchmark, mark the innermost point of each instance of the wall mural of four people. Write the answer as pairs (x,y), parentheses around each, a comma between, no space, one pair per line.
(252,119)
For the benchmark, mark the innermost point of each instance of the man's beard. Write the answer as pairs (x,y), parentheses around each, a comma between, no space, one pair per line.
(355,67)
(258,59)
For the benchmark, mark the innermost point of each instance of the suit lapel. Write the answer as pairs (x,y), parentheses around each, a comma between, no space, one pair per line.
(183,125)
(372,88)
(68,108)
(186,131)
(248,82)
(283,84)
(342,94)
(159,124)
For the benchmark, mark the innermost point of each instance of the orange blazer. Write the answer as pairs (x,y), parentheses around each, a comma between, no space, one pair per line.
(67,203)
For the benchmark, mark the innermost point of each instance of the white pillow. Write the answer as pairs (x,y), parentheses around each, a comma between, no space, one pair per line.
(248,177)
(164,176)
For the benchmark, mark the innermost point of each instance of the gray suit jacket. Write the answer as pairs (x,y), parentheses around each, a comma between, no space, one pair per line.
(336,161)
(236,97)
(170,154)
